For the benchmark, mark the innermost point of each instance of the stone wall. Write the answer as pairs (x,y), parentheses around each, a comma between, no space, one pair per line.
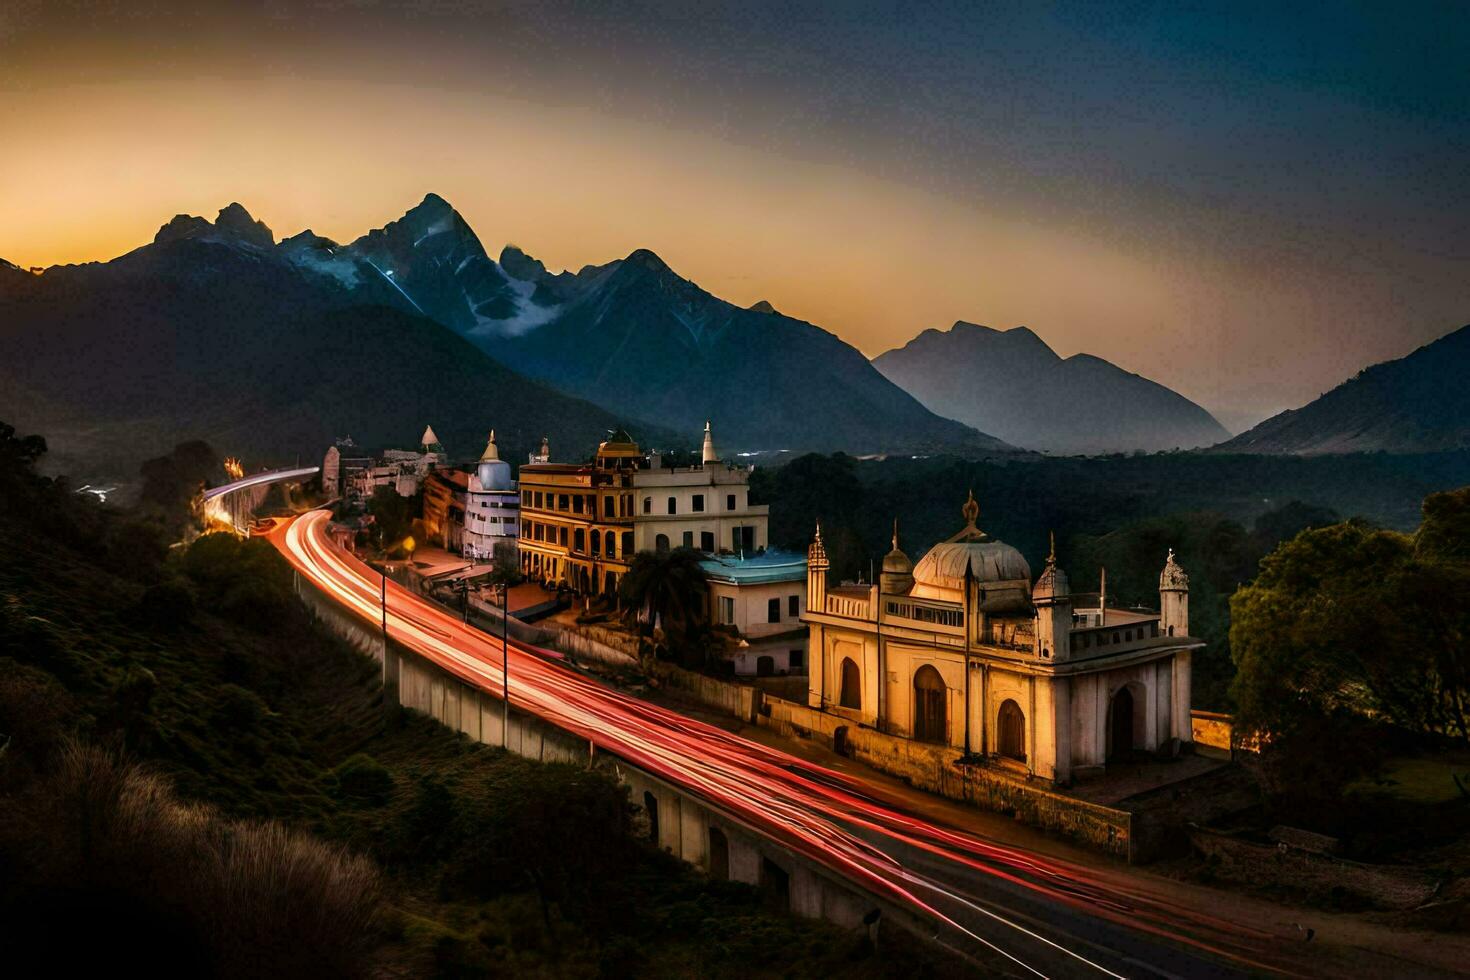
(1322,877)
(739,700)
(938,769)
(598,643)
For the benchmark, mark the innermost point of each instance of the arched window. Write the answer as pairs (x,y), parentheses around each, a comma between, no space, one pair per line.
(661,543)
(673,505)
(596,542)
(1011,739)
(929,707)
(648,505)
(851,695)
(612,544)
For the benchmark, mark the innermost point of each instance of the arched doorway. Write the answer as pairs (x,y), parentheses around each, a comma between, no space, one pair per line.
(765,666)
(1124,723)
(719,855)
(1011,738)
(851,695)
(929,708)
(661,543)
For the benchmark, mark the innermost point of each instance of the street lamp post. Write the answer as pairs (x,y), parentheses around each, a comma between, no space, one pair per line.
(505,661)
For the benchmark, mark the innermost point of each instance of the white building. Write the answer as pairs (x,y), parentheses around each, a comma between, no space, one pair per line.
(763,597)
(963,650)
(492,505)
(705,507)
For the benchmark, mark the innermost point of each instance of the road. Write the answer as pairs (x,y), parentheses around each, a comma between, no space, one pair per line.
(1013,911)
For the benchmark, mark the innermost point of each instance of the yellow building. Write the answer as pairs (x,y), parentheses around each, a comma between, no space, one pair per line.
(577,518)
(963,650)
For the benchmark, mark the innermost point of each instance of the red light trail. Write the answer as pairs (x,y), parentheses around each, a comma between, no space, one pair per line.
(844,824)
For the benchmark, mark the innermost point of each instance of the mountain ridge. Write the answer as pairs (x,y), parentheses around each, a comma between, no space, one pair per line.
(1014,384)
(1415,403)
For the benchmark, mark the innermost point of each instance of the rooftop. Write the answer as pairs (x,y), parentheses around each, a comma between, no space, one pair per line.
(769,566)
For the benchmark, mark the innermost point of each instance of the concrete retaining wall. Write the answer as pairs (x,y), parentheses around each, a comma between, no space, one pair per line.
(736,699)
(682,824)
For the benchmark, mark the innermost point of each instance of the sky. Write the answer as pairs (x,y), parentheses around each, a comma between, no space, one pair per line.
(1245,202)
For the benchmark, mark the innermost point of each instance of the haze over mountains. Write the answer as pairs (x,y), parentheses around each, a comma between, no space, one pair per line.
(1028,395)
(1418,403)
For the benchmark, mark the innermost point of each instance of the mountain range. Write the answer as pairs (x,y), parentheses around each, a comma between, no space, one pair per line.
(1418,403)
(634,336)
(1027,395)
(216,330)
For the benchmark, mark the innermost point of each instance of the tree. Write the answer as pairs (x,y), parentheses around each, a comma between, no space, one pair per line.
(393,514)
(669,587)
(1351,624)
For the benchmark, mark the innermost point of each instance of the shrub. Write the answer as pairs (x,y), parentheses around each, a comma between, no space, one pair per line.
(363,778)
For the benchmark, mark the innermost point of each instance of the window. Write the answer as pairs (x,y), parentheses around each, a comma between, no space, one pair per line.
(773,611)
(729,501)
(577,504)
(597,542)
(793,606)
(706,541)
(578,541)
(851,690)
(699,503)
(688,541)
(930,720)
(648,505)
(538,498)
(562,503)
(673,505)
(727,609)
(607,507)
(796,659)
(627,543)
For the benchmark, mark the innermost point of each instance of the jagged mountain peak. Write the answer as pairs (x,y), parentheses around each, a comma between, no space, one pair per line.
(233,218)
(647,259)
(762,306)
(519,265)
(233,223)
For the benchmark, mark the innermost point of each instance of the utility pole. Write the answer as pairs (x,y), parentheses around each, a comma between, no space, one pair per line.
(383,597)
(505,665)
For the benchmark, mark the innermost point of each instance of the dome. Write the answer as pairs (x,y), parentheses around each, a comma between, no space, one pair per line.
(941,572)
(493,473)
(990,561)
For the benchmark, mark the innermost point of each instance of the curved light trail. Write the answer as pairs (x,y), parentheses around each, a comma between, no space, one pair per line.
(257,479)
(1045,916)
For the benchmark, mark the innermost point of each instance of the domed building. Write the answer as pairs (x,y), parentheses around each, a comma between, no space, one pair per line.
(963,649)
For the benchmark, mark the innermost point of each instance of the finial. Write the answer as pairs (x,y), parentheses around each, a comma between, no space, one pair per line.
(706,425)
(819,530)
(492,435)
(1170,559)
(1051,559)
(895,534)
(971,510)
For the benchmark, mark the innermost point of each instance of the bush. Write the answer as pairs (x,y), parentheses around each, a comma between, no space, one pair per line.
(363,778)
(104,842)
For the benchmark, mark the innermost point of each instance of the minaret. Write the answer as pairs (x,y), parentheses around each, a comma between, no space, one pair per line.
(709,455)
(1052,598)
(1173,599)
(816,601)
(816,572)
(1102,599)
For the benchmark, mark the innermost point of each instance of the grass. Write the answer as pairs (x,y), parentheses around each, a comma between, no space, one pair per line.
(1418,780)
(276,817)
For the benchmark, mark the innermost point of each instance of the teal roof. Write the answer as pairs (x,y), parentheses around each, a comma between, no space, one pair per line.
(769,566)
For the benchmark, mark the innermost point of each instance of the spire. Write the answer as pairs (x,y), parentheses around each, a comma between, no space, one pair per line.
(709,455)
(971,510)
(491,451)
(895,534)
(429,440)
(816,554)
(1052,585)
(1051,559)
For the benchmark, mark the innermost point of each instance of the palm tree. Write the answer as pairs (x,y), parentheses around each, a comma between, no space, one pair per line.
(668,589)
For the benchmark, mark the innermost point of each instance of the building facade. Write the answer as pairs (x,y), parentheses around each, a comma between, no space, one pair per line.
(763,598)
(963,649)
(705,507)
(354,473)
(576,519)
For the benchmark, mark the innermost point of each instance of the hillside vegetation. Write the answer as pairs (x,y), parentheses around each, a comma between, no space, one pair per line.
(204,781)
